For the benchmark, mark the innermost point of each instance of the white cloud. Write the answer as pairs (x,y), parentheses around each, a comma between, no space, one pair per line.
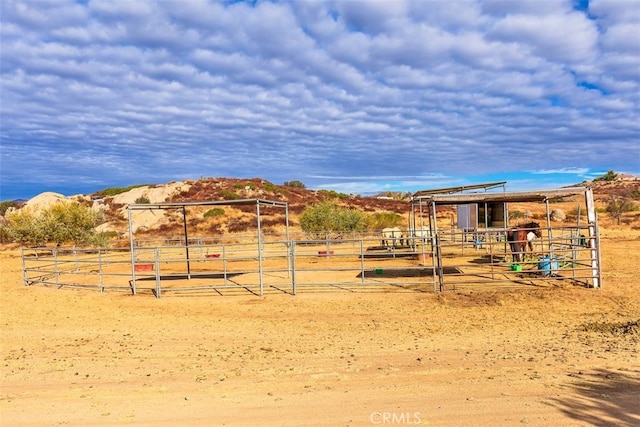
(566,38)
(611,12)
(307,89)
(571,171)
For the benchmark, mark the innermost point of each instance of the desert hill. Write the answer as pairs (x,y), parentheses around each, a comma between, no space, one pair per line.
(113,202)
(604,190)
(238,217)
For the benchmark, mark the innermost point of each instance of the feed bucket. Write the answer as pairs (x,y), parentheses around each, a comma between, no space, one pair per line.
(547,266)
(143,267)
(378,271)
(515,267)
(422,257)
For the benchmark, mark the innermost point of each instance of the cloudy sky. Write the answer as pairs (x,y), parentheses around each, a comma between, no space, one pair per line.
(357,96)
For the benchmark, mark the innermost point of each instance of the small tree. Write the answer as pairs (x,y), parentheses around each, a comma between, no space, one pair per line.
(215,212)
(380,220)
(294,184)
(142,200)
(69,222)
(609,176)
(6,234)
(618,205)
(323,218)
(318,218)
(24,227)
(351,220)
(60,223)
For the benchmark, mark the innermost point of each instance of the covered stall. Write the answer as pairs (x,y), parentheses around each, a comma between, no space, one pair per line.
(480,213)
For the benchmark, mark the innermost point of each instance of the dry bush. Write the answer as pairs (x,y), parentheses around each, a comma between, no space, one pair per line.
(243,225)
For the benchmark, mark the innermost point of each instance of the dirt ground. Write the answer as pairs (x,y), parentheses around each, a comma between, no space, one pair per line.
(565,355)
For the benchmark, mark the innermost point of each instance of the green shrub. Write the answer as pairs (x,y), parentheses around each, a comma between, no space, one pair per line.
(6,234)
(333,194)
(249,185)
(380,220)
(25,228)
(274,188)
(324,218)
(103,238)
(214,212)
(294,184)
(609,176)
(230,195)
(114,191)
(60,223)
(143,200)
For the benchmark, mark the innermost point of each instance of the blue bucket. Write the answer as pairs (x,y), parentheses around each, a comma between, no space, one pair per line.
(547,266)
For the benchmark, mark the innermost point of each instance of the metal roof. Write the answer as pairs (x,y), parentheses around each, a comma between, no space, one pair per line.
(173,205)
(505,196)
(449,190)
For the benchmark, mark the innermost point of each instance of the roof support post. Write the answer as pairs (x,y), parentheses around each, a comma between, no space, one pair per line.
(594,239)
(259,248)
(132,251)
(437,242)
(186,240)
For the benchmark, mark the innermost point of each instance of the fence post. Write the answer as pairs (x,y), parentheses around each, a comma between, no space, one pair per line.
(292,256)
(55,263)
(24,268)
(224,264)
(362,272)
(156,267)
(100,270)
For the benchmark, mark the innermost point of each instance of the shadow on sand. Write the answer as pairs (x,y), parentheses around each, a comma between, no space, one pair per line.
(603,398)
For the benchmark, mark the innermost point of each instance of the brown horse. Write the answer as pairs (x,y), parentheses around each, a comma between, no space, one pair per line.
(521,237)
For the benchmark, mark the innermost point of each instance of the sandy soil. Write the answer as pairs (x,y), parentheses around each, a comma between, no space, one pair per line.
(561,356)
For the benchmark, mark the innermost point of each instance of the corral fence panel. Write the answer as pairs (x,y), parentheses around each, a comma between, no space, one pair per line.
(99,268)
(449,260)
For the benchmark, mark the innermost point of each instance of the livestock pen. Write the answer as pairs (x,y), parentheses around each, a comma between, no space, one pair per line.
(356,264)
(288,263)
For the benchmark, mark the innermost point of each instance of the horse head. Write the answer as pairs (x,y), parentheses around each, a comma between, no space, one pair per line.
(535,227)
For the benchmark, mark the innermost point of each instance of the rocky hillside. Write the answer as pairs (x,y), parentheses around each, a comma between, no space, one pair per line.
(604,190)
(236,217)
(113,203)
(256,188)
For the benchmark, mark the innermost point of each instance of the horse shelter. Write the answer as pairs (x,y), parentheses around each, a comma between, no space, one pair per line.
(476,250)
